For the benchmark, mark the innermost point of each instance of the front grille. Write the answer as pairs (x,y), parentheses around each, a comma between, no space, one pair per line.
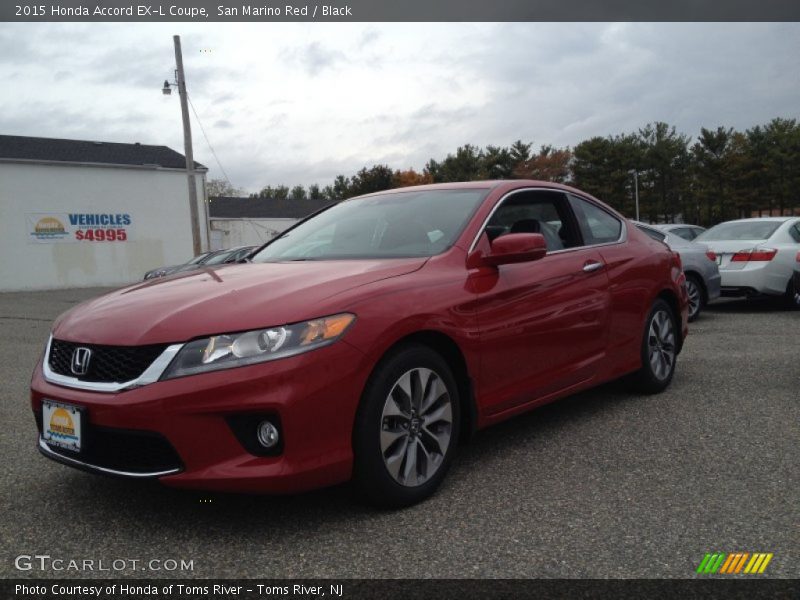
(127,450)
(108,364)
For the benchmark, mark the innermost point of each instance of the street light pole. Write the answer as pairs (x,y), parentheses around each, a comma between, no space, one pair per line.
(187,146)
(636,191)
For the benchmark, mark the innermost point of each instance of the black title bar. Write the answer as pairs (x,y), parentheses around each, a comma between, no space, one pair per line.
(200,11)
(737,588)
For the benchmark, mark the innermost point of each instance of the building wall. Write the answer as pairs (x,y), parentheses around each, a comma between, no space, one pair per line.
(159,233)
(227,233)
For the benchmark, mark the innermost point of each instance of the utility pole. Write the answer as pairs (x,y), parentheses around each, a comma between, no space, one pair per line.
(636,192)
(187,146)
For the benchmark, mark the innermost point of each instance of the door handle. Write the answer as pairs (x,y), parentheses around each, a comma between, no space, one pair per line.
(592,266)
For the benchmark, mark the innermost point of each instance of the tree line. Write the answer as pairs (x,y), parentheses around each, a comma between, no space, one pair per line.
(723,174)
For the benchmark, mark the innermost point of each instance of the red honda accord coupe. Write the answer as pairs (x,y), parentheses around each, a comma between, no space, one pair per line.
(363,343)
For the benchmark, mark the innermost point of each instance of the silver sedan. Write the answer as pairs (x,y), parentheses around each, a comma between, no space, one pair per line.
(699,266)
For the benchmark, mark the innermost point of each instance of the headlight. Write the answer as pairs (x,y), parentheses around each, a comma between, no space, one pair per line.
(249,347)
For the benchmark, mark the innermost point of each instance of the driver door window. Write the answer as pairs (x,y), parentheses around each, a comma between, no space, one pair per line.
(534,212)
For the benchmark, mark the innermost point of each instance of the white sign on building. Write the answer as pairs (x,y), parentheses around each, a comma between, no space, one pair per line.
(48,228)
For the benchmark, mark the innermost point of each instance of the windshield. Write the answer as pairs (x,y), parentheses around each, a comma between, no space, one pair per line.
(740,230)
(397,225)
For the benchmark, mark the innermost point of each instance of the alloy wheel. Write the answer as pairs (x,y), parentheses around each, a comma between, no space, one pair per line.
(416,426)
(695,297)
(661,343)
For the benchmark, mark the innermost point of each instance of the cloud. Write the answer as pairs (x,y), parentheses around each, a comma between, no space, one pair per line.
(314,58)
(287,103)
(368,37)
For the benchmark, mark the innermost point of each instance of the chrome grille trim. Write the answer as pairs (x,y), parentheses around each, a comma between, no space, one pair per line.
(151,374)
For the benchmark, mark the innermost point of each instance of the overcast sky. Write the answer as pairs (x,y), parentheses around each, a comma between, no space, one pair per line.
(301,103)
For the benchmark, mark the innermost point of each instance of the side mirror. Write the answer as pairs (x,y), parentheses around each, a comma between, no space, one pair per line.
(513,248)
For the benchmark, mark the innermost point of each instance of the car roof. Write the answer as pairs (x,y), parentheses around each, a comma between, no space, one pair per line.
(751,219)
(488,184)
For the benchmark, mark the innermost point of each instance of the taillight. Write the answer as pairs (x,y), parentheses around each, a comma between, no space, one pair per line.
(797,258)
(712,256)
(754,254)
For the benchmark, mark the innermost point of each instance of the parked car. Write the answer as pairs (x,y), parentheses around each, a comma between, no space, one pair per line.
(365,342)
(687,232)
(699,266)
(756,256)
(162,271)
(220,257)
(216,257)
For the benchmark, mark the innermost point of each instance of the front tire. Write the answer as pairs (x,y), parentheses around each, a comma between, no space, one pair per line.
(694,289)
(406,429)
(659,349)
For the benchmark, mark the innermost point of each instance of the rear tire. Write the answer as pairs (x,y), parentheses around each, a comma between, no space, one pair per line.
(792,297)
(406,429)
(659,349)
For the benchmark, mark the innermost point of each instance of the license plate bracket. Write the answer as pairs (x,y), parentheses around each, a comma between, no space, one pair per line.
(62,425)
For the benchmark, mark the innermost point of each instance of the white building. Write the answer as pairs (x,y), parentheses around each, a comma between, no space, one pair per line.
(254,221)
(82,213)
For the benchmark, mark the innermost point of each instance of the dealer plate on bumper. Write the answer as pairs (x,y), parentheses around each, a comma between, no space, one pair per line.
(61,425)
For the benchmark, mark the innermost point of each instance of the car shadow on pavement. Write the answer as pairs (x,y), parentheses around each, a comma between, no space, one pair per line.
(748,306)
(175,510)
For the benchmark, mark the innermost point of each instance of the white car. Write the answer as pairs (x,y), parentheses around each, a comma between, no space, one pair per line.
(756,256)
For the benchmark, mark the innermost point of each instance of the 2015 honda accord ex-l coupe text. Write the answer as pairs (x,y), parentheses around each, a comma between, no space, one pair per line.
(362,343)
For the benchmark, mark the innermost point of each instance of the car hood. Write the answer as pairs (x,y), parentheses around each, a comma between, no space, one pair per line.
(222,299)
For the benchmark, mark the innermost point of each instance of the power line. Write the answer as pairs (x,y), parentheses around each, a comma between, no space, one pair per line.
(210,147)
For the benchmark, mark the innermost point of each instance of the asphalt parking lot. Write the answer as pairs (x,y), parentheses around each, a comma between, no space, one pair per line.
(603,484)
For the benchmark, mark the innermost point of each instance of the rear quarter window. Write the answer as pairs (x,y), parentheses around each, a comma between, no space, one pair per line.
(597,226)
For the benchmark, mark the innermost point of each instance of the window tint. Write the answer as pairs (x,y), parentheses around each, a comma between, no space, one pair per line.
(533,212)
(597,226)
(656,235)
(794,231)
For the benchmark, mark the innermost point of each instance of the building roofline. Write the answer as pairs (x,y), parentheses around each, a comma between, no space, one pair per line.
(69,163)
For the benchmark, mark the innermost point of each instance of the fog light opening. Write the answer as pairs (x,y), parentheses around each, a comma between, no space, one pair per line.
(267,434)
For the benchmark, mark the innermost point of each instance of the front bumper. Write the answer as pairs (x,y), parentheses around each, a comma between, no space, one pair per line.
(314,397)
